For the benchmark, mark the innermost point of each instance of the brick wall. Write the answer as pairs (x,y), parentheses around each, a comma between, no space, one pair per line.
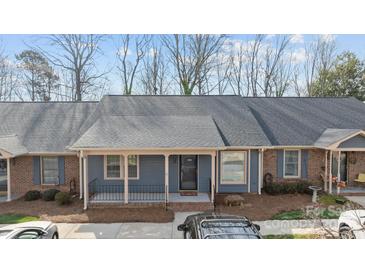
(21,173)
(355,164)
(316,160)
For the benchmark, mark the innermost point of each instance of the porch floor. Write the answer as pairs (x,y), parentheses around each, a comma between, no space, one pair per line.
(116,197)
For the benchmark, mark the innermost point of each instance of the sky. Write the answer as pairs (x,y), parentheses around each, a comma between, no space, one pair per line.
(14,44)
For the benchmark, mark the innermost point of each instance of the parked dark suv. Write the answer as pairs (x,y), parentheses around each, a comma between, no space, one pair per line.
(212,226)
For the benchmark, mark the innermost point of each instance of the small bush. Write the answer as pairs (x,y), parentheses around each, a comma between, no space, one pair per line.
(287,188)
(32,195)
(63,198)
(49,195)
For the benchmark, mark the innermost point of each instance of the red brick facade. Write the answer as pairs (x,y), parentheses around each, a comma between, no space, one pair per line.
(355,165)
(316,162)
(21,175)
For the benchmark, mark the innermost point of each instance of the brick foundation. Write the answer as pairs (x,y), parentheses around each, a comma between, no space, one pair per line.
(21,173)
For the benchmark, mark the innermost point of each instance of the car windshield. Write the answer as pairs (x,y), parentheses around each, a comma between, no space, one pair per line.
(228,229)
(3,233)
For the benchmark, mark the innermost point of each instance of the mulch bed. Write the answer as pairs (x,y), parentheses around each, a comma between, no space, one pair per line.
(263,207)
(74,213)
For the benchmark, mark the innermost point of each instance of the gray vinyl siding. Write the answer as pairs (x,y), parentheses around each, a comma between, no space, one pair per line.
(151,172)
(226,188)
(355,142)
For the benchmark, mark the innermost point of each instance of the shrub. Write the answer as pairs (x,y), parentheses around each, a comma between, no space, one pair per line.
(32,195)
(49,195)
(63,198)
(287,188)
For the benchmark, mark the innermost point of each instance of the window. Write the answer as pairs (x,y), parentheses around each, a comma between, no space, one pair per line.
(133,166)
(291,163)
(113,164)
(112,167)
(50,170)
(233,167)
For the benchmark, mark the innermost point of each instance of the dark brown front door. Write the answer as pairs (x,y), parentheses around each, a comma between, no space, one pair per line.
(188,172)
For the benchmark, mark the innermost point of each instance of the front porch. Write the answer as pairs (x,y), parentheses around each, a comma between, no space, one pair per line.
(344,161)
(148,177)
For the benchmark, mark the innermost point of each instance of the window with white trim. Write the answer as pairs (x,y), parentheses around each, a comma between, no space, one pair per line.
(133,166)
(114,167)
(233,167)
(50,172)
(291,163)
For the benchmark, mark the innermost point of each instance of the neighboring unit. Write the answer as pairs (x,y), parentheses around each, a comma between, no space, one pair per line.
(178,149)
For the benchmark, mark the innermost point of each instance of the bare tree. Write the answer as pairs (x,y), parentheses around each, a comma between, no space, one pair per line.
(154,77)
(77,54)
(8,79)
(239,70)
(320,56)
(192,57)
(128,61)
(275,68)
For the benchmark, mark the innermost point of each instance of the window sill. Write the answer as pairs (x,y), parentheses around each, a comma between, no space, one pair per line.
(233,183)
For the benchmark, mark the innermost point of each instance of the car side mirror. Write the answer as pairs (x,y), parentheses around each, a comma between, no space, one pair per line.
(43,233)
(257,227)
(181,227)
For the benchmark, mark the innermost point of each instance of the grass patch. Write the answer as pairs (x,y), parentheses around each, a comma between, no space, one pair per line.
(329,199)
(289,215)
(16,218)
(300,215)
(293,236)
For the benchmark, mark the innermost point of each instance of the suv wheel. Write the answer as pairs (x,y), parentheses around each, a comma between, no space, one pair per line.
(346,233)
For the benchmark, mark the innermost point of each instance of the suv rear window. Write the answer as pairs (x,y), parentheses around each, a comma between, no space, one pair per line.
(228,229)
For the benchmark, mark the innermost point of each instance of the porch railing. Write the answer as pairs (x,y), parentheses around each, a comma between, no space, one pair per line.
(146,193)
(105,192)
(99,191)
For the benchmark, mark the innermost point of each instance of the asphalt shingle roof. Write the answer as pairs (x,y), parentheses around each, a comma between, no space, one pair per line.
(234,120)
(333,135)
(151,132)
(301,121)
(44,127)
(12,145)
(174,121)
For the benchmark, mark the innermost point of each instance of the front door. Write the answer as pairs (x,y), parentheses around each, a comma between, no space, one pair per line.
(188,172)
(343,166)
(3,175)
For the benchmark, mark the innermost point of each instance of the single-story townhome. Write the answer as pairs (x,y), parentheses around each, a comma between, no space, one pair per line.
(178,149)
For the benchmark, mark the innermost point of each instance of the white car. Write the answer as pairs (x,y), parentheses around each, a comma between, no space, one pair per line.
(351,224)
(30,230)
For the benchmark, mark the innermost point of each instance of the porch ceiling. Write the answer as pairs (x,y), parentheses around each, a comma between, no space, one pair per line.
(146,132)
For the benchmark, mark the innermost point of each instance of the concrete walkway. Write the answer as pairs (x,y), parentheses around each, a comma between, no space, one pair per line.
(169,230)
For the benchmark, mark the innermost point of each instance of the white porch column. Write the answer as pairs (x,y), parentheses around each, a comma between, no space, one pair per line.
(86,183)
(167,177)
(81,174)
(260,170)
(125,178)
(212,177)
(8,179)
(338,170)
(325,171)
(249,171)
(330,174)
